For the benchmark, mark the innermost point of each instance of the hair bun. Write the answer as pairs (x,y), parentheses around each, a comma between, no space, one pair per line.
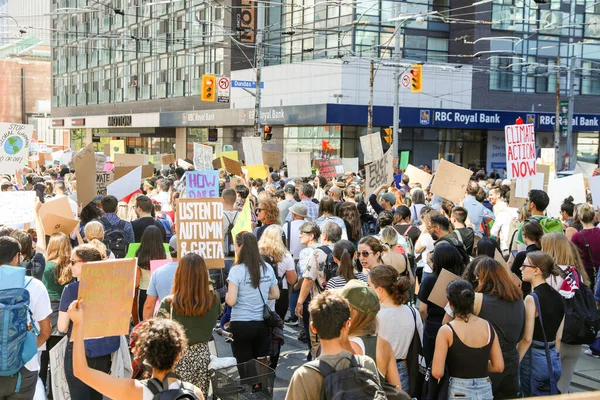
(467,294)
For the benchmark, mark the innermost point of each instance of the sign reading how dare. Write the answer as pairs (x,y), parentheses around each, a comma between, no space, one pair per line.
(520,151)
(202,184)
(200,229)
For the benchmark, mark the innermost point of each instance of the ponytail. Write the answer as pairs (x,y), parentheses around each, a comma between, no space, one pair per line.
(395,285)
(344,251)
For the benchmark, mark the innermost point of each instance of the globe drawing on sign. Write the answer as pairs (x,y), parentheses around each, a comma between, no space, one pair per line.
(13,145)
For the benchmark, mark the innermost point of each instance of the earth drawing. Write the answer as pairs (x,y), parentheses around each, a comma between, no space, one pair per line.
(13,145)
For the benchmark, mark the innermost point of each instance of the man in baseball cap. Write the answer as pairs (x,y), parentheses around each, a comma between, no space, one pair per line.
(284,205)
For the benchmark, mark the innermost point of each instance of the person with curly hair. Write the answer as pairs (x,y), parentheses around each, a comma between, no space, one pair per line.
(160,344)
(267,214)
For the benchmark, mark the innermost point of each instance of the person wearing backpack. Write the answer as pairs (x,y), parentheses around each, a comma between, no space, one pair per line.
(439,229)
(144,209)
(537,204)
(159,344)
(18,377)
(117,233)
(337,372)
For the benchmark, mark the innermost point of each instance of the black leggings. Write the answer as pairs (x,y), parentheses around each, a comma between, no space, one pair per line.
(77,388)
(249,340)
(281,307)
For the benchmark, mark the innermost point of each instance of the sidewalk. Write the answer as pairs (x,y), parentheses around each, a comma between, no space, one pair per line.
(587,374)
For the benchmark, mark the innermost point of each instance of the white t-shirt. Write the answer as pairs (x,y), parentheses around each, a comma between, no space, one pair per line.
(427,242)
(397,325)
(295,245)
(286,265)
(39,303)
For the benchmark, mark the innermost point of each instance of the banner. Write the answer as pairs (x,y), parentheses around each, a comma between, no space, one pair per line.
(15,140)
(103,179)
(379,172)
(106,288)
(331,168)
(371,147)
(299,165)
(451,181)
(200,230)
(17,207)
(520,151)
(253,150)
(85,170)
(202,184)
(203,157)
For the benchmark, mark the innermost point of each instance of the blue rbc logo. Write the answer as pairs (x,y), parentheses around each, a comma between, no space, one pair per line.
(531,119)
(425,117)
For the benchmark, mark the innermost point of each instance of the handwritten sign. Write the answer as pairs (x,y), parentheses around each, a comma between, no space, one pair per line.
(202,184)
(168,159)
(106,288)
(15,140)
(371,147)
(331,168)
(200,230)
(253,150)
(379,172)
(203,157)
(520,151)
(103,179)
(299,165)
(451,181)
(17,207)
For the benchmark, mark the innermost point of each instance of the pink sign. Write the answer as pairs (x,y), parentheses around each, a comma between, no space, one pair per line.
(156,264)
(109,167)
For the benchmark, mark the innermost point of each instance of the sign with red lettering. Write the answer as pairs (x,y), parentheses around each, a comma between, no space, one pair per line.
(331,168)
(520,151)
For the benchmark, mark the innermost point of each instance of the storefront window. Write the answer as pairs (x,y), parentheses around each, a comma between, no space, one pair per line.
(310,138)
(587,147)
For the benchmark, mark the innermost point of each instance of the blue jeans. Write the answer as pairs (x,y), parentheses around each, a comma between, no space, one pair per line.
(403,372)
(293,301)
(535,377)
(472,389)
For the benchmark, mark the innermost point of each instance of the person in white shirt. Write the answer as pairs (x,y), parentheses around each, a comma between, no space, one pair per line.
(164,196)
(291,229)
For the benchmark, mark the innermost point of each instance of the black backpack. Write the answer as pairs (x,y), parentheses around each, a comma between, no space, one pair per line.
(229,247)
(353,383)
(581,316)
(273,265)
(369,228)
(161,390)
(114,237)
(462,252)
(330,268)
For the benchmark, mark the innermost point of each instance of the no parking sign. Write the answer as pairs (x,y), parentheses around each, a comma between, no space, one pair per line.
(223,86)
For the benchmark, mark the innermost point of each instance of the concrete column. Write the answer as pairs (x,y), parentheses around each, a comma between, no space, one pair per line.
(181,142)
(88,136)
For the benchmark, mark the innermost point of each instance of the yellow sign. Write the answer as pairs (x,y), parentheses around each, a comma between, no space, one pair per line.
(257,171)
(116,146)
(243,222)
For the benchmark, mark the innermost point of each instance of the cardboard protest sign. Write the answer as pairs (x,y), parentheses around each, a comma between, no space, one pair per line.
(217,163)
(17,207)
(417,175)
(147,171)
(203,157)
(257,171)
(371,147)
(59,206)
(560,189)
(525,185)
(438,293)
(107,150)
(56,223)
(202,184)
(451,181)
(184,164)
(350,164)
(129,160)
(168,159)
(404,160)
(103,179)
(272,159)
(299,165)
(545,170)
(200,230)
(514,201)
(253,150)
(243,223)
(547,156)
(85,170)
(521,155)
(379,172)
(106,288)
(232,166)
(595,189)
(15,140)
(125,185)
(116,147)
(235,181)
(331,168)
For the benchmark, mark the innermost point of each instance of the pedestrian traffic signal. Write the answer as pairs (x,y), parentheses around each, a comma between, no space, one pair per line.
(213,135)
(416,78)
(388,135)
(267,135)
(208,87)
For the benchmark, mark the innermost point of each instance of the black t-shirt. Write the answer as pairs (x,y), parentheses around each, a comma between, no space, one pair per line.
(516,267)
(507,318)
(468,238)
(413,231)
(139,226)
(553,310)
(435,313)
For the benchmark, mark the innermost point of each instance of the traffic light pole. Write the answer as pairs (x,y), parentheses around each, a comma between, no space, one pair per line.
(258,64)
(370,111)
(396,119)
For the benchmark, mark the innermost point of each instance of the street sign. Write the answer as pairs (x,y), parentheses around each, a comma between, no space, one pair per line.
(246,84)
(223,87)
(405,80)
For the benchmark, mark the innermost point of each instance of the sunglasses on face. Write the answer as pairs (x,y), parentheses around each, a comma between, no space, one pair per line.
(365,253)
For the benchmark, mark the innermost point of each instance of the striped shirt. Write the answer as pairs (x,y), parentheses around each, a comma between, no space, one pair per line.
(339,281)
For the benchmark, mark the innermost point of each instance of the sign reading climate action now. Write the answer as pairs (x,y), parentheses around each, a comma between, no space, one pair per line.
(520,151)
(200,229)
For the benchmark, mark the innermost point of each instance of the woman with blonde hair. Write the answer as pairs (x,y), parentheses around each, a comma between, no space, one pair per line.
(566,256)
(267,213)
(395,255)
(94,235)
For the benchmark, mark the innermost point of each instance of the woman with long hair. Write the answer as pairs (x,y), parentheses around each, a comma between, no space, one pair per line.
(251,284)
(151,248)
(348,212)
(532,234)
(196,307)
(94,235)
(327,214)
(396,321)
(566,256)
(267,213)
(343,255)
(370,250)
(468,346)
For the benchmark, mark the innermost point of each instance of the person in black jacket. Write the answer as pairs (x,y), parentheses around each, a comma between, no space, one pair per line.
(144,210)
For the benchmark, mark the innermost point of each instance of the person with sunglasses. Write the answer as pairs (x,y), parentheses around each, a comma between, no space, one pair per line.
(267,213)
(532,234)
(370,251)
(98,351)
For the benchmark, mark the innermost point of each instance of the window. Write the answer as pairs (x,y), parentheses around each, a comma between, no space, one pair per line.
(501,76)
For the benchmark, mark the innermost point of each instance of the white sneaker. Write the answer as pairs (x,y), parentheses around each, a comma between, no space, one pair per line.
(589,352)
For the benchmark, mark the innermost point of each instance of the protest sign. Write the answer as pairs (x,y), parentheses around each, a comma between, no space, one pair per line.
(514,201)
(85,170)
(133,248)
(235,181)
(520,151)
(147,171)
(524,185)
(272,159)
(560,189)
(59,206)
(156,264)
(350,164)
(107,150)
(331,168)
(547,156)
(595,189)
(200,229)
(109,166)
(438,293)
(15,140)
(257,171)
(56,223)
(417,175)
(379,172)
(371,147)
(103,179)
(217,163)
(17,207)
(184,164)
(202,184)
(203,157)
(125,185)
(233,154)
(586,169)
(129,160)
(253,150)
(544,169)
(116,147)
(106,288)
(451,181)
(299,165)
(168,159)
(66,157)
(100,162)
(404,160)
(243,223)
(232,166)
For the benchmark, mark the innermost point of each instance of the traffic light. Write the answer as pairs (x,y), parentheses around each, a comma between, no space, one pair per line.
(208,87)
(416,78)
(388,135)
(267,135)
(213,135)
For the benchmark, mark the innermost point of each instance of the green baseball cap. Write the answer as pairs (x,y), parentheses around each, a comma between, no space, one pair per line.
(361,297)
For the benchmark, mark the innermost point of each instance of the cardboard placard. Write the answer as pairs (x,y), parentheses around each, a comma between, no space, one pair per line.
(168,159)
(17,207)
(116,147)
(417,175)
(253,150)
(547,156)
(147,171)
(59,206)
(235,181)
(85,170)
(350,164)
(107,150)
(134,247)
(200,230)
(217,163)
(331,168)
(103,179)
(129,160)
(202,184)
(125,185)
(257,171)
(232,166)
(203,157)
(15,140)
(299,165)
(438,293)
(451,181)
(544,169)
(106,288)
(272,159)
(521,155)
(514,201)
(379,172)
(560,189)
(371,147)
(56,223)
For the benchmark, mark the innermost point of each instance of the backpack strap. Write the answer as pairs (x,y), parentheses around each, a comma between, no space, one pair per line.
(547,348)
(105,222)
(154,385)
(325,249)
(289,233)
(587,246)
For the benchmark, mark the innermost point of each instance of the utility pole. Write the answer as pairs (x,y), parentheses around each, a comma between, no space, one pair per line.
(370,115)
(258,64)
(396,118)
(557,119)
(571,93)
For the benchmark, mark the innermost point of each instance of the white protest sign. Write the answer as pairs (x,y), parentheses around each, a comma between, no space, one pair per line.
(587,169)
(595,189)
(15,140)
(379,172)
(560,189)
(524,185)
(203,157)
(103,179)
(66,157)
(184,164)
(100,161)
(350,164)
(126,184)
(17,207)
(371,147)
(253,150)
(520,151)
(547,156)
(299,165)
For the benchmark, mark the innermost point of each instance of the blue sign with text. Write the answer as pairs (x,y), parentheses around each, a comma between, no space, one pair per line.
(246,84)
